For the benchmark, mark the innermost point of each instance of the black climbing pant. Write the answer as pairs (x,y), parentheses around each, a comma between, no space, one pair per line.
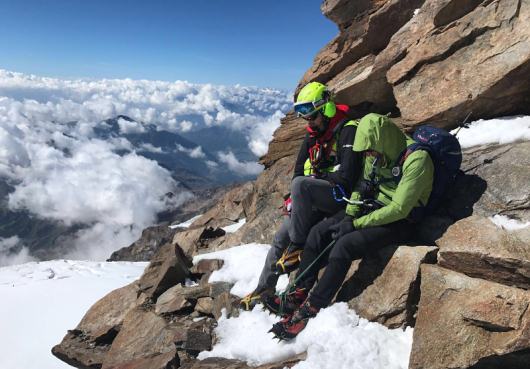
(339,257)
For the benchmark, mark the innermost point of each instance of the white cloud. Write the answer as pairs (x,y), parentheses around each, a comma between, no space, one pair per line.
(150,148)
(8,254)
(195,153)
(242,168)
(261,135)
(186,125)
(127,126)
(60,170)
(212,164)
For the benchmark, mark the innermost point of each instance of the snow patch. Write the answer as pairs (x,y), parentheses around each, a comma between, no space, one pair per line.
(242,266)
(41,301)
(187,223)
(508,224)
(235,227)
(495,131)
(369,345)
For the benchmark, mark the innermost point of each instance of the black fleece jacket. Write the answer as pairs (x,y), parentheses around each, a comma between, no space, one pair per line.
(350,161)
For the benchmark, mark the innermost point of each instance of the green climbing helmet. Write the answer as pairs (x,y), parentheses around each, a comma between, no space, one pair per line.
(312,98)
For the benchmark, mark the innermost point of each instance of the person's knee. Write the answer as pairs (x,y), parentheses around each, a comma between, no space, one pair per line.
(300,184)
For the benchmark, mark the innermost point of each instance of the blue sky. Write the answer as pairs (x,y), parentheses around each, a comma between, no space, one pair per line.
(260,43)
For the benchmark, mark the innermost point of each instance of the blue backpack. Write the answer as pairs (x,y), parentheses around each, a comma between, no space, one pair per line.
(446,154)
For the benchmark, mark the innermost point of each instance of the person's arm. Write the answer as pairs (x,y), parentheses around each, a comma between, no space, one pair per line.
(303,155)
(350,161)
(416,181)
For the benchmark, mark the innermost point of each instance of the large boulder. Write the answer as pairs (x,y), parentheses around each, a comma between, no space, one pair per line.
(392,297)
(87,345)
(168,267)
(477,247)
(495,181)
(146,246)
(465,322)
(143,335)
(366,27)
(461,56)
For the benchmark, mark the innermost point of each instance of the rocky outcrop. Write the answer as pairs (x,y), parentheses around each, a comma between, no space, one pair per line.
(162,326)
(391,298)
(432,60)
(478,248)
(494,181)
(87,345)
(146,246)
(465,322)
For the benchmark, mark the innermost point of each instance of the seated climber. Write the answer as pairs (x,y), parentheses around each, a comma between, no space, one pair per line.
(325,171)
(395,186)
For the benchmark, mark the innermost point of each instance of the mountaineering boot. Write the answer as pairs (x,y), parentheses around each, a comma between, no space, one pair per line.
(277,328)
(289,328)
(291,302)
(289,260)
(255,297)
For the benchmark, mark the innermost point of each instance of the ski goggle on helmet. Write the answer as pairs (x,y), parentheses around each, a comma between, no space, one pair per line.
(313,98)
(308,110)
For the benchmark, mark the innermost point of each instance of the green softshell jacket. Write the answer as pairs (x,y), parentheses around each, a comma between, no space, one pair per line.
(377,132)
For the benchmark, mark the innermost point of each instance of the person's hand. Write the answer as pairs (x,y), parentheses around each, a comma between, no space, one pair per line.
(342,228)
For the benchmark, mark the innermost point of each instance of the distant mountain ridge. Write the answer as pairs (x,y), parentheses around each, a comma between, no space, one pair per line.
(193,164)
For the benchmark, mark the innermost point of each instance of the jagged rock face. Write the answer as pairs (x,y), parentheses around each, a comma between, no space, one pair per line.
(452,58)
(145,247)
(465,322)
(87,345)
(391,297)
(149,329)
(463,56)
(495,181)
(168,268)
(477,247)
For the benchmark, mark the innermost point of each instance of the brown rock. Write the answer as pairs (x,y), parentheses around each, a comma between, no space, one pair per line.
(168,267)
(171,301)
(199,337)
(366,28)
(391,299)
(195,292)
(146,246)
(461,56)
(78,350)
(207,265)
(218,362)
(192,240)
(495,182)
(168,360)
(217,288)
(464,321)
(87,345)
(204,305)
(285,142)
(477,247)
(228,210)
(220,302)
(143,335)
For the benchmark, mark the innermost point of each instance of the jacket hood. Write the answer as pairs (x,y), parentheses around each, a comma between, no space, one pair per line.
(377,132)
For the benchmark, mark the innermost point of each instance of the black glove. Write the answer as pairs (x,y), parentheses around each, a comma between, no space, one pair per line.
(342,228)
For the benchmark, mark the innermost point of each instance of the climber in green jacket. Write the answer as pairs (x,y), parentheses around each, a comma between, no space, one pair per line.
(378,215)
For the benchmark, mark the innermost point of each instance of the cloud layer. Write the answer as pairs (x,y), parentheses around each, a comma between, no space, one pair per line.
(61,170)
